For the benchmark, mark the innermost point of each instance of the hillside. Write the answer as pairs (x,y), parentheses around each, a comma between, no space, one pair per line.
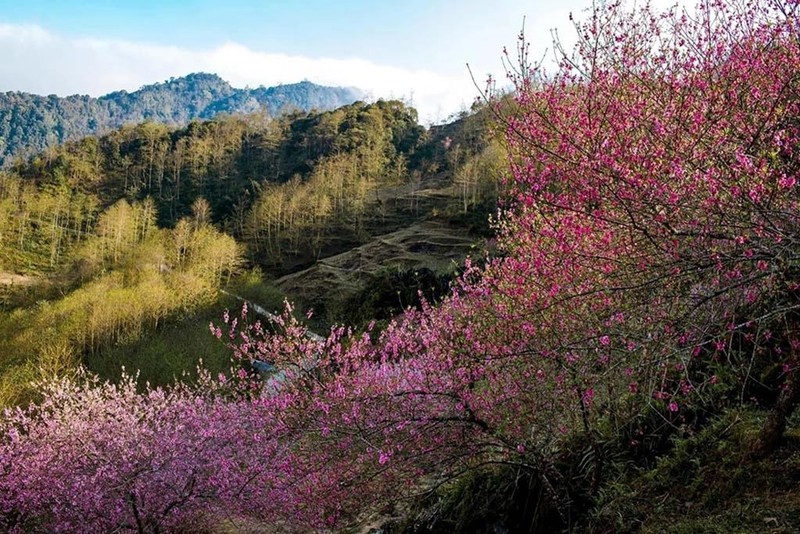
(265,207)
(30,123)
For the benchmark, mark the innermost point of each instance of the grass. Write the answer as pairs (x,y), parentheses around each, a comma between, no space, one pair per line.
(29,353)
(430,244)
(708,483)
(176,349)
(163,356)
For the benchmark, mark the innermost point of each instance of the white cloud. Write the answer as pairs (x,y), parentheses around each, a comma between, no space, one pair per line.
(42,62)
(30,35)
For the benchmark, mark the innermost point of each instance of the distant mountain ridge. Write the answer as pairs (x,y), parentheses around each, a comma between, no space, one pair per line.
(30,123)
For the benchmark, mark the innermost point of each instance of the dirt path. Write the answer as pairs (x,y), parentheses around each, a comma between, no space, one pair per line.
(269,315)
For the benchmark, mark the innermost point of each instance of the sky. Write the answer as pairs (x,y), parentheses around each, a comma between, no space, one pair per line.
(417,50)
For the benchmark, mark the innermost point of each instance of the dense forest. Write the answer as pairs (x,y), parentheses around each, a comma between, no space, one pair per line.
(573,308)
(30,123)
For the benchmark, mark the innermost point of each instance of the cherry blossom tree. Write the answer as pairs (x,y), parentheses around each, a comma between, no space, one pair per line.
(107,458)
(650,245)
(656,196)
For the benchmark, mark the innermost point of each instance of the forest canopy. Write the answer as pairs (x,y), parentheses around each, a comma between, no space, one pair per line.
(30,123)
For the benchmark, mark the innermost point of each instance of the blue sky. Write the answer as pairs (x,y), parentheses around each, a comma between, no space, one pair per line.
(414,49)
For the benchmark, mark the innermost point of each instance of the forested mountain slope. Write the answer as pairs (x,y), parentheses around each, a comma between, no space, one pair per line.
(112,247)
(29,123)
(293,186)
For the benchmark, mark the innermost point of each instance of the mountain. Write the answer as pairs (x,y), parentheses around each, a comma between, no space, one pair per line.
(30,123)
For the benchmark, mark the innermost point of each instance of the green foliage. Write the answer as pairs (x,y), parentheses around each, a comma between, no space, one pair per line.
(175,349)
(30,123)
(388,293)
(119,244)
(707,481)
(477,180)
(38,225)
(230,161)
(339,161)
(133,277)
(91,215)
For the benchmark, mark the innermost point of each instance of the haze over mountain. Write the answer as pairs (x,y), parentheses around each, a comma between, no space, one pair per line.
(29,123)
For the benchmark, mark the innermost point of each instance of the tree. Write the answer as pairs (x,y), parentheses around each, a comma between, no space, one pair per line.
(104,457)
(479,177)
(655,194)
(650,251)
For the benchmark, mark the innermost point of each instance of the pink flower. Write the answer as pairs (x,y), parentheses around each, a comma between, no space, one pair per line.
(588,395)
(787,182)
